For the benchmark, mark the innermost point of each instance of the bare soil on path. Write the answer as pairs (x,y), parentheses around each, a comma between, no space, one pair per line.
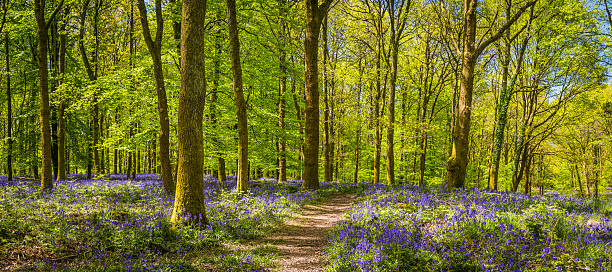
(301,241)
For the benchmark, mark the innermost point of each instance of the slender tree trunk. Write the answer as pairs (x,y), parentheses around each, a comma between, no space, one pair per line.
(243,137)
(528,175)
(61,122)
(326,126)
(358,132)
(391,114)
(9,111)
(189,196)
(299,117)
(221,176)
(154,47)
(101,141)
(596,169)
(282,142)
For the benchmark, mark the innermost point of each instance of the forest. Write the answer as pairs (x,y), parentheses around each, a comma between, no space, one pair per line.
(314,135)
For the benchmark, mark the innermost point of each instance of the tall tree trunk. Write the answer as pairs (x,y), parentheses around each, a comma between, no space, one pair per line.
(189,196)
(154,47)
(221,175)
(46,181)
(282,142)
(458,161)
(326,122)
(282,89)
(377,126)
(61,122)
(9,111)
(391,114)
(596,169)
(243,137)
(92,75)
(299,117)
(314,17)
(358,132)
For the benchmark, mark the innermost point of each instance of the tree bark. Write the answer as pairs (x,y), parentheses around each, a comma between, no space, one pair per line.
(46,180)
(61,122)
(154,47)
(282,89)
(314,17)
(189,196)
(327,149)
(221,175)
(243,137)
(9,111)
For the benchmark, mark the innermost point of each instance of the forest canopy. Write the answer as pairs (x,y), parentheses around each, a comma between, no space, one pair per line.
(508,95)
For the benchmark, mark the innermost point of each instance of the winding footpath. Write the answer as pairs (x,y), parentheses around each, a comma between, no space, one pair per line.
(301,241)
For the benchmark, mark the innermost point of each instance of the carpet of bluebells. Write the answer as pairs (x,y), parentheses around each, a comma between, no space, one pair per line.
(114,224)
(431,229)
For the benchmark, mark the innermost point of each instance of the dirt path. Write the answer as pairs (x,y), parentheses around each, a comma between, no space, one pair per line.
(301,241)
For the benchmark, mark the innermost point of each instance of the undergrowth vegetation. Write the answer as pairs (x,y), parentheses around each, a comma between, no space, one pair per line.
(431,229)
(120,225)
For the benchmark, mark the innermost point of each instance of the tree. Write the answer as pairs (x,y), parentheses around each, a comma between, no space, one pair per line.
(398,19)
(9,111)
(189,196)
(243,137)
(457,163)
(92,74)
(46,182)
(154,47)
(61,120)
(504,98)
(314,16)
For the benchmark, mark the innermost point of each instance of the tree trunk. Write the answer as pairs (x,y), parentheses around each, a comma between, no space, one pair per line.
(243,137)
(314,16)
(391,114)
(299,117)
(9,112)
(92,75)
(221,175)
(61,122)
(282,89)
(326,122)
(154,47)
(46,181)
(189,196)
(458,161)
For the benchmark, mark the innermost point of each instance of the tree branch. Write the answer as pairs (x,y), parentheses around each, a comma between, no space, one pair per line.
(503,29)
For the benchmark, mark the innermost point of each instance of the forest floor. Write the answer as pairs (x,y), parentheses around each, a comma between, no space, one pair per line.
(301,241)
